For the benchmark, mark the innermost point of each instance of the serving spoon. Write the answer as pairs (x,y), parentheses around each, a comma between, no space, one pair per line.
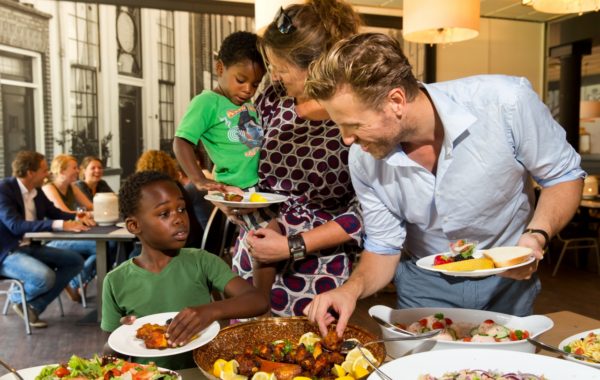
(557,350)
(11,370)
(390,326)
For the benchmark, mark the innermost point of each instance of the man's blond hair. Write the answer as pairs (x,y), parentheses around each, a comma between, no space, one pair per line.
(371,64)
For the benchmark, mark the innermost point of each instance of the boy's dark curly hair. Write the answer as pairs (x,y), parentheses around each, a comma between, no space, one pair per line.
(239,46)
(130,192)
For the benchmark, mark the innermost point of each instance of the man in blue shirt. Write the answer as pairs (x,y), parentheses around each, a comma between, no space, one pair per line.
(436,163)
(45,271)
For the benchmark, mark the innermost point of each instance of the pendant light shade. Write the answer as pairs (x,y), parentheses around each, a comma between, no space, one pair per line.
(265,11)
(434,21)
(565,6)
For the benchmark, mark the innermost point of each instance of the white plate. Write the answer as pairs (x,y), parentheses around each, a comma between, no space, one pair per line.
(576,337)
(120,224)
(436,363)
(123,339)
(427,264)
(245,203)
(32,372)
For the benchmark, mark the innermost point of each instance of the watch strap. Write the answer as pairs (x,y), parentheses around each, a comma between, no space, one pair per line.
(541,232)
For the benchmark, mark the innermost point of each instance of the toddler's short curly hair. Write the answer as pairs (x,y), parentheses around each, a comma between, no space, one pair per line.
(130,192)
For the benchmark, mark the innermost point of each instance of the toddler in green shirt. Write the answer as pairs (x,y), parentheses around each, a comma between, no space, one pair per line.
(225,120)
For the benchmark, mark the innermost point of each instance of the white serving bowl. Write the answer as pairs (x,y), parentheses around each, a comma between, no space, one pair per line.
(534,324)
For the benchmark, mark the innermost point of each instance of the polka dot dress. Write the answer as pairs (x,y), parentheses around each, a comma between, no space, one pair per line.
(306,161)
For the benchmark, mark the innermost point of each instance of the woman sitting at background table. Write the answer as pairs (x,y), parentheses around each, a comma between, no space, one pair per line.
(61,190)
(307,248)
(90,178)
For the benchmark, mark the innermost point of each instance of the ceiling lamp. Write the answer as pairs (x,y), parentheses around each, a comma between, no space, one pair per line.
(440,22)
(265,11)
(565,6)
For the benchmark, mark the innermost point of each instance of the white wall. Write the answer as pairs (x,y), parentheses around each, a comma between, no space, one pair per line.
(502,47)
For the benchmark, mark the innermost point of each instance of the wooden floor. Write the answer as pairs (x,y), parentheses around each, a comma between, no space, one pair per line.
(571,289)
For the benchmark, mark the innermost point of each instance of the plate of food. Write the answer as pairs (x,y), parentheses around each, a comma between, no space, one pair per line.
(585,343)
(96,368)
(146,337)
(249,200)
(478,263)
(460,363)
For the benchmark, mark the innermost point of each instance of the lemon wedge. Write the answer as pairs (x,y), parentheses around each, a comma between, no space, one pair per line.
(255,197)
(232,376)
(230,368)
(301,378)
(218,367)
(309,339)
(264,376)
(360,372)
(338,370)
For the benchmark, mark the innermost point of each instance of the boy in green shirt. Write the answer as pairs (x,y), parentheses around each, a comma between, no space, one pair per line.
(166,277)
(225,120)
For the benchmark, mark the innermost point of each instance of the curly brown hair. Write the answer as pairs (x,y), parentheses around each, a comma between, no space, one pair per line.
(157,160)
(318,24)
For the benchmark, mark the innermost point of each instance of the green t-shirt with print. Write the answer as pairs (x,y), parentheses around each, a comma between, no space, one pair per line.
(187,280)
(231,134)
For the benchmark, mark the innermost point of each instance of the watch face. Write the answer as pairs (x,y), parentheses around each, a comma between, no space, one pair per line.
(126,32)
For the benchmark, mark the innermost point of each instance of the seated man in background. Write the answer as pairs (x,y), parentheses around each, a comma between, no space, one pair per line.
(45,271)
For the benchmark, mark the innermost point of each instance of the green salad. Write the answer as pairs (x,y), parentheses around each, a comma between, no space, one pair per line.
(104,368)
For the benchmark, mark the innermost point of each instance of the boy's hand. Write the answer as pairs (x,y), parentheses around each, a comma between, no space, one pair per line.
(187,324)
(127,320)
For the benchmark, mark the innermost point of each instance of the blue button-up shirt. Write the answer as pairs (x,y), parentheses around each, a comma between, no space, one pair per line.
(497,136)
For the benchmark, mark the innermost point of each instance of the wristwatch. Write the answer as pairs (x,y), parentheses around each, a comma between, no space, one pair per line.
(297,247)
(541,232)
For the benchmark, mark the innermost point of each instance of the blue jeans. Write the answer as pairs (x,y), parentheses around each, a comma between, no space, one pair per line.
(87,249)
(416,287)
(45,271)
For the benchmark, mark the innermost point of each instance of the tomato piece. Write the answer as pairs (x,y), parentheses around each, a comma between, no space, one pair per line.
(467,339)
(437,325)
(127,366)
(448,321)
(513,336)
(423,322)
(488,321)
(579,351)
(62,371)
(525,334)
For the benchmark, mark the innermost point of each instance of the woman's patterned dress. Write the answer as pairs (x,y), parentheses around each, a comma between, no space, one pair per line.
(307,162)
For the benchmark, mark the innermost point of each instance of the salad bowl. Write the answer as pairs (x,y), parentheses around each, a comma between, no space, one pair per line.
(535,325)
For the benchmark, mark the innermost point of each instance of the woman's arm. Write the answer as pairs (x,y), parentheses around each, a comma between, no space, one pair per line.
(53,195)
(269,246)
(81,198)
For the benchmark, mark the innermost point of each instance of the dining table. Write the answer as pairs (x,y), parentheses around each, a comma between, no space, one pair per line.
(566,324)
(101,235)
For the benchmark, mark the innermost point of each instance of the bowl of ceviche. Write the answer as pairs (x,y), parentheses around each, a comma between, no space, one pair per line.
(104,367)
(462,328)
(585,343)
(269,349)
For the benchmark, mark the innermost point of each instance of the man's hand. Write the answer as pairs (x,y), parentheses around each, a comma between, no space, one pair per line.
(74,226)
(524,273)
(188,323)
(338,300)
(87,221)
